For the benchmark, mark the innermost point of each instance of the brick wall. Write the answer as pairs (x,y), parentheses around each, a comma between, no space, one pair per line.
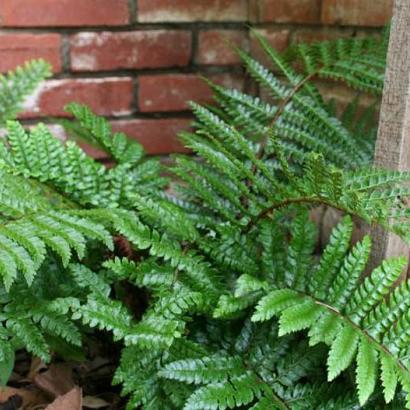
(136,61)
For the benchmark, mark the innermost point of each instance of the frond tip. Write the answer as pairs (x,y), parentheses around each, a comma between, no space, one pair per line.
(16,85)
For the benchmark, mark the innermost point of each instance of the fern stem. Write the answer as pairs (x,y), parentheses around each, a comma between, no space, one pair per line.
(279,402)
(281,109)
(359,329)
(291,201)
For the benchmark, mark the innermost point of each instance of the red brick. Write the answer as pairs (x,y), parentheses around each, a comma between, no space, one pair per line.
(357,13)
(278,39)
(43,13)
(158,136)
(323,34)
(158,11)
(106,96)
(17,48)
(94,152)
(286,11)
(138,49)
(216,47)
(172,92)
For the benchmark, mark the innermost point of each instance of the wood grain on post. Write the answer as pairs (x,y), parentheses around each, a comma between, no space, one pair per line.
(393,140)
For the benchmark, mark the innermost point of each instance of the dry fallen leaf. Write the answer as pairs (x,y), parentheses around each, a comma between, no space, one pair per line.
(69,401)
(36,366)
(12,403)
(93,402)
(30,398)
(57,380)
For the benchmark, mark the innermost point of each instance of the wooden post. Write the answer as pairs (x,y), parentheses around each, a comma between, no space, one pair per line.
(393,140)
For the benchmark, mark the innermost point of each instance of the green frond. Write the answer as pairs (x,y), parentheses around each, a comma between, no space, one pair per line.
(17,84)
(229,305)
(154,332)
(248,284)
(264,77)
(37,154)
(298,114)
(7,358)
(349,274)
(25,331)
(166,215)
(105,314)
(147,273)
(87,279)
(388,376)
(138,375)
(239,391)
(374,288)
(300,250)
(359,62)
(24,242)
(352,316)
(203,371)
(274,303)
(332,257)
(98,130)
(298,317)
(295,79)
(366,371)
(272,237)
(198,272)
(342,351)
(178,303)
(57,325)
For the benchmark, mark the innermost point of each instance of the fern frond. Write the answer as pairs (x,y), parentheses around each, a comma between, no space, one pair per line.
(16,85)
(105,314)
(155,332)
(199,274)
(65,167)
(202,371)
(359,62)
(31,337)
(98,129)
(239,391)
(353,317)
(25,240)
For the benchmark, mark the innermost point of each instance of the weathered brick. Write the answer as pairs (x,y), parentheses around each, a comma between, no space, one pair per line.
(322,34)
(159,136)
(357,13)
(94,152)
(106,96)
(286,11)
(172,92)
(278,39)
(216,47)
(17,48)
(159,11)
(138,49)
(43,13)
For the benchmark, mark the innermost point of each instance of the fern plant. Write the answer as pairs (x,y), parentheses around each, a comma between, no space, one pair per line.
(244,311)
(236,247)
